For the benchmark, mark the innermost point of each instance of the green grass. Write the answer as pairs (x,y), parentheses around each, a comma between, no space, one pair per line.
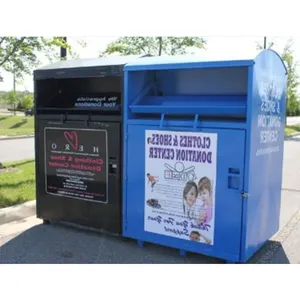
(18,186)
(16,125)
(292,129)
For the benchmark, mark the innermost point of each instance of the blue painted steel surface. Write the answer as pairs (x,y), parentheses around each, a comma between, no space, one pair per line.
(232,99)
(266,111)
(203,105)
(229,203)
(187,62)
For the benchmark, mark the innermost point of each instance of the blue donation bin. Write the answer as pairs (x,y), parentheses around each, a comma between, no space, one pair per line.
(203,152)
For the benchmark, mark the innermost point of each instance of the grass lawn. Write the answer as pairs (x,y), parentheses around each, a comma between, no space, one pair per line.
(17,186)
(292,129)
(16,125)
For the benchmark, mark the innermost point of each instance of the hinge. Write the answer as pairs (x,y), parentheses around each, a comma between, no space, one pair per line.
(244,194)
(126,136)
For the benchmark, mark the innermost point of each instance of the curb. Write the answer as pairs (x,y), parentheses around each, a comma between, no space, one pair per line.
(17,212)
(292,135)
(17,137)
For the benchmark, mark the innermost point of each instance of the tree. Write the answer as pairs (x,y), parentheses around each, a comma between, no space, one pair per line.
(18,55)
(3,97)
(27,101)
(293,104)
(12,98)
(153,45)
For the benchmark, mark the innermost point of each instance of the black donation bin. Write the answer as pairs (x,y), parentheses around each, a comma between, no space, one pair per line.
(78,129)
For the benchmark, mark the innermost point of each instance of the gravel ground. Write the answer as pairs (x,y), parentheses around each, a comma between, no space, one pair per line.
(283,248)
(61,244)
(54,244)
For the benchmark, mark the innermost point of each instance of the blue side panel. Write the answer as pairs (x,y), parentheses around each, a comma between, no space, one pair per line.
(231,81)
(265,141)
(229,106)
(227,202)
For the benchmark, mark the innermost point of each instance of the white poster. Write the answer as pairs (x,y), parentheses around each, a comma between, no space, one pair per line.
(180,184)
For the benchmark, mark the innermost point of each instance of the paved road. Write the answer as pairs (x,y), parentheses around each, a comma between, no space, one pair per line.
(29,241)
(11,150)
(9,113)
(293,120)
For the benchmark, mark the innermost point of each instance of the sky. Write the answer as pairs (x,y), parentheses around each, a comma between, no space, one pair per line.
(234,46)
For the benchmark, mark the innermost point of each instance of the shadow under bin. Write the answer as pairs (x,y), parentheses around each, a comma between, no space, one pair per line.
(78,130)
(203,152)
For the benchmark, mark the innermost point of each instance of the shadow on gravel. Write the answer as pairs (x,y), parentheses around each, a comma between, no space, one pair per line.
(271,253)
(61,244)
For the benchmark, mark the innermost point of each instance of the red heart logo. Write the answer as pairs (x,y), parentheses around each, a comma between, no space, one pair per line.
(72,139)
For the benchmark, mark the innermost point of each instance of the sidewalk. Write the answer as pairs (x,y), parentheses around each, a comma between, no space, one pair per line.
(15,137)
(16,227)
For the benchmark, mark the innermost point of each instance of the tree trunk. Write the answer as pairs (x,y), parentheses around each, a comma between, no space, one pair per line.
(63,51)
(160,45)
(14,88)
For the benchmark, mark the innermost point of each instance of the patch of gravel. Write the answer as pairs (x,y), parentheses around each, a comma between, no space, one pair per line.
(266,254)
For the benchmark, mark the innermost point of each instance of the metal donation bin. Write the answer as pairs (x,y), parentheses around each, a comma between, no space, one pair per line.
(203,153)
(78,129)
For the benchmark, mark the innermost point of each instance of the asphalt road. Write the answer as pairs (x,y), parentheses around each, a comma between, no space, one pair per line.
(293,121)
(11,150)
(8,113)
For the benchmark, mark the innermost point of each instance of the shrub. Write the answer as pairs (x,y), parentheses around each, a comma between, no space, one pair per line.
(26,102)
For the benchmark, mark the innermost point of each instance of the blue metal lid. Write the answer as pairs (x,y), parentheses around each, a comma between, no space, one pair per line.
(203,60)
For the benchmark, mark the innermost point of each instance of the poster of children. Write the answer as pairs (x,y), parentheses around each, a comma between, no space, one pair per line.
(180,181)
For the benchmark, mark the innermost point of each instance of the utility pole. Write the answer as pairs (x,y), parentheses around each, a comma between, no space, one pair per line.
(265,42)
(14,81)
(14,88)
(63,51)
